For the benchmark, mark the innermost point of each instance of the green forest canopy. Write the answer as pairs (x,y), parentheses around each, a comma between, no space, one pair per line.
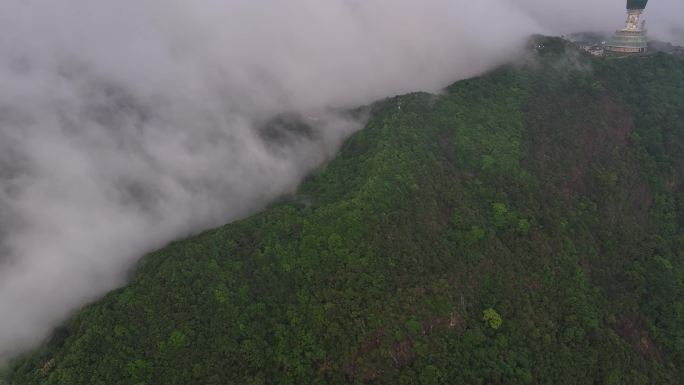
(523,227)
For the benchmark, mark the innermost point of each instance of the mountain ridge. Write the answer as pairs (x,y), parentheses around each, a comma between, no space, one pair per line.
(524,227)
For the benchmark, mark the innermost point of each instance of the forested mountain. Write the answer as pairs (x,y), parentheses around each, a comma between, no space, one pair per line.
(523,227)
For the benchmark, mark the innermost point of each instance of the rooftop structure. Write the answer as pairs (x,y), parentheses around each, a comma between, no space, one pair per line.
(637,4)
(632,38)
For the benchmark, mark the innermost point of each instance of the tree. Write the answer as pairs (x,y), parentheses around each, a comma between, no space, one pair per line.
(492,318)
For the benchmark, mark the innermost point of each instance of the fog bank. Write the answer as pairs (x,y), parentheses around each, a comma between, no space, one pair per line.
(126,124)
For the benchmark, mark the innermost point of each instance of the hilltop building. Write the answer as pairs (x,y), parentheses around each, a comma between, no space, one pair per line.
(632,38)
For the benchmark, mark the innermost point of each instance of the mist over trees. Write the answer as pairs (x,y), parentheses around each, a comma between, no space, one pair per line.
(521,227)
(125,125)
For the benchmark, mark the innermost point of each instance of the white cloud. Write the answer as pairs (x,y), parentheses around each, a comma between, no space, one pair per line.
(125,124)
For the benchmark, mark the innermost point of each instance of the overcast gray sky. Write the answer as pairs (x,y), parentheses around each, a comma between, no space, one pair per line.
(125,124)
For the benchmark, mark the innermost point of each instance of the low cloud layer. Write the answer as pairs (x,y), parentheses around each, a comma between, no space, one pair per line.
(125,124)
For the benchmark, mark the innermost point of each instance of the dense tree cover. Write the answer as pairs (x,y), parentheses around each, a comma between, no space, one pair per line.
(524,227)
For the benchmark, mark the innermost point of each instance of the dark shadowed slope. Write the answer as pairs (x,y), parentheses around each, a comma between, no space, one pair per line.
(525,227)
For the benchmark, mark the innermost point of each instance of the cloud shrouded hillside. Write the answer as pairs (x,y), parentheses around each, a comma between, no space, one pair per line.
(126,124)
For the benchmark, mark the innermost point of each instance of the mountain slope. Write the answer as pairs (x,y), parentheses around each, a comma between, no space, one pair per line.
(525,227)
